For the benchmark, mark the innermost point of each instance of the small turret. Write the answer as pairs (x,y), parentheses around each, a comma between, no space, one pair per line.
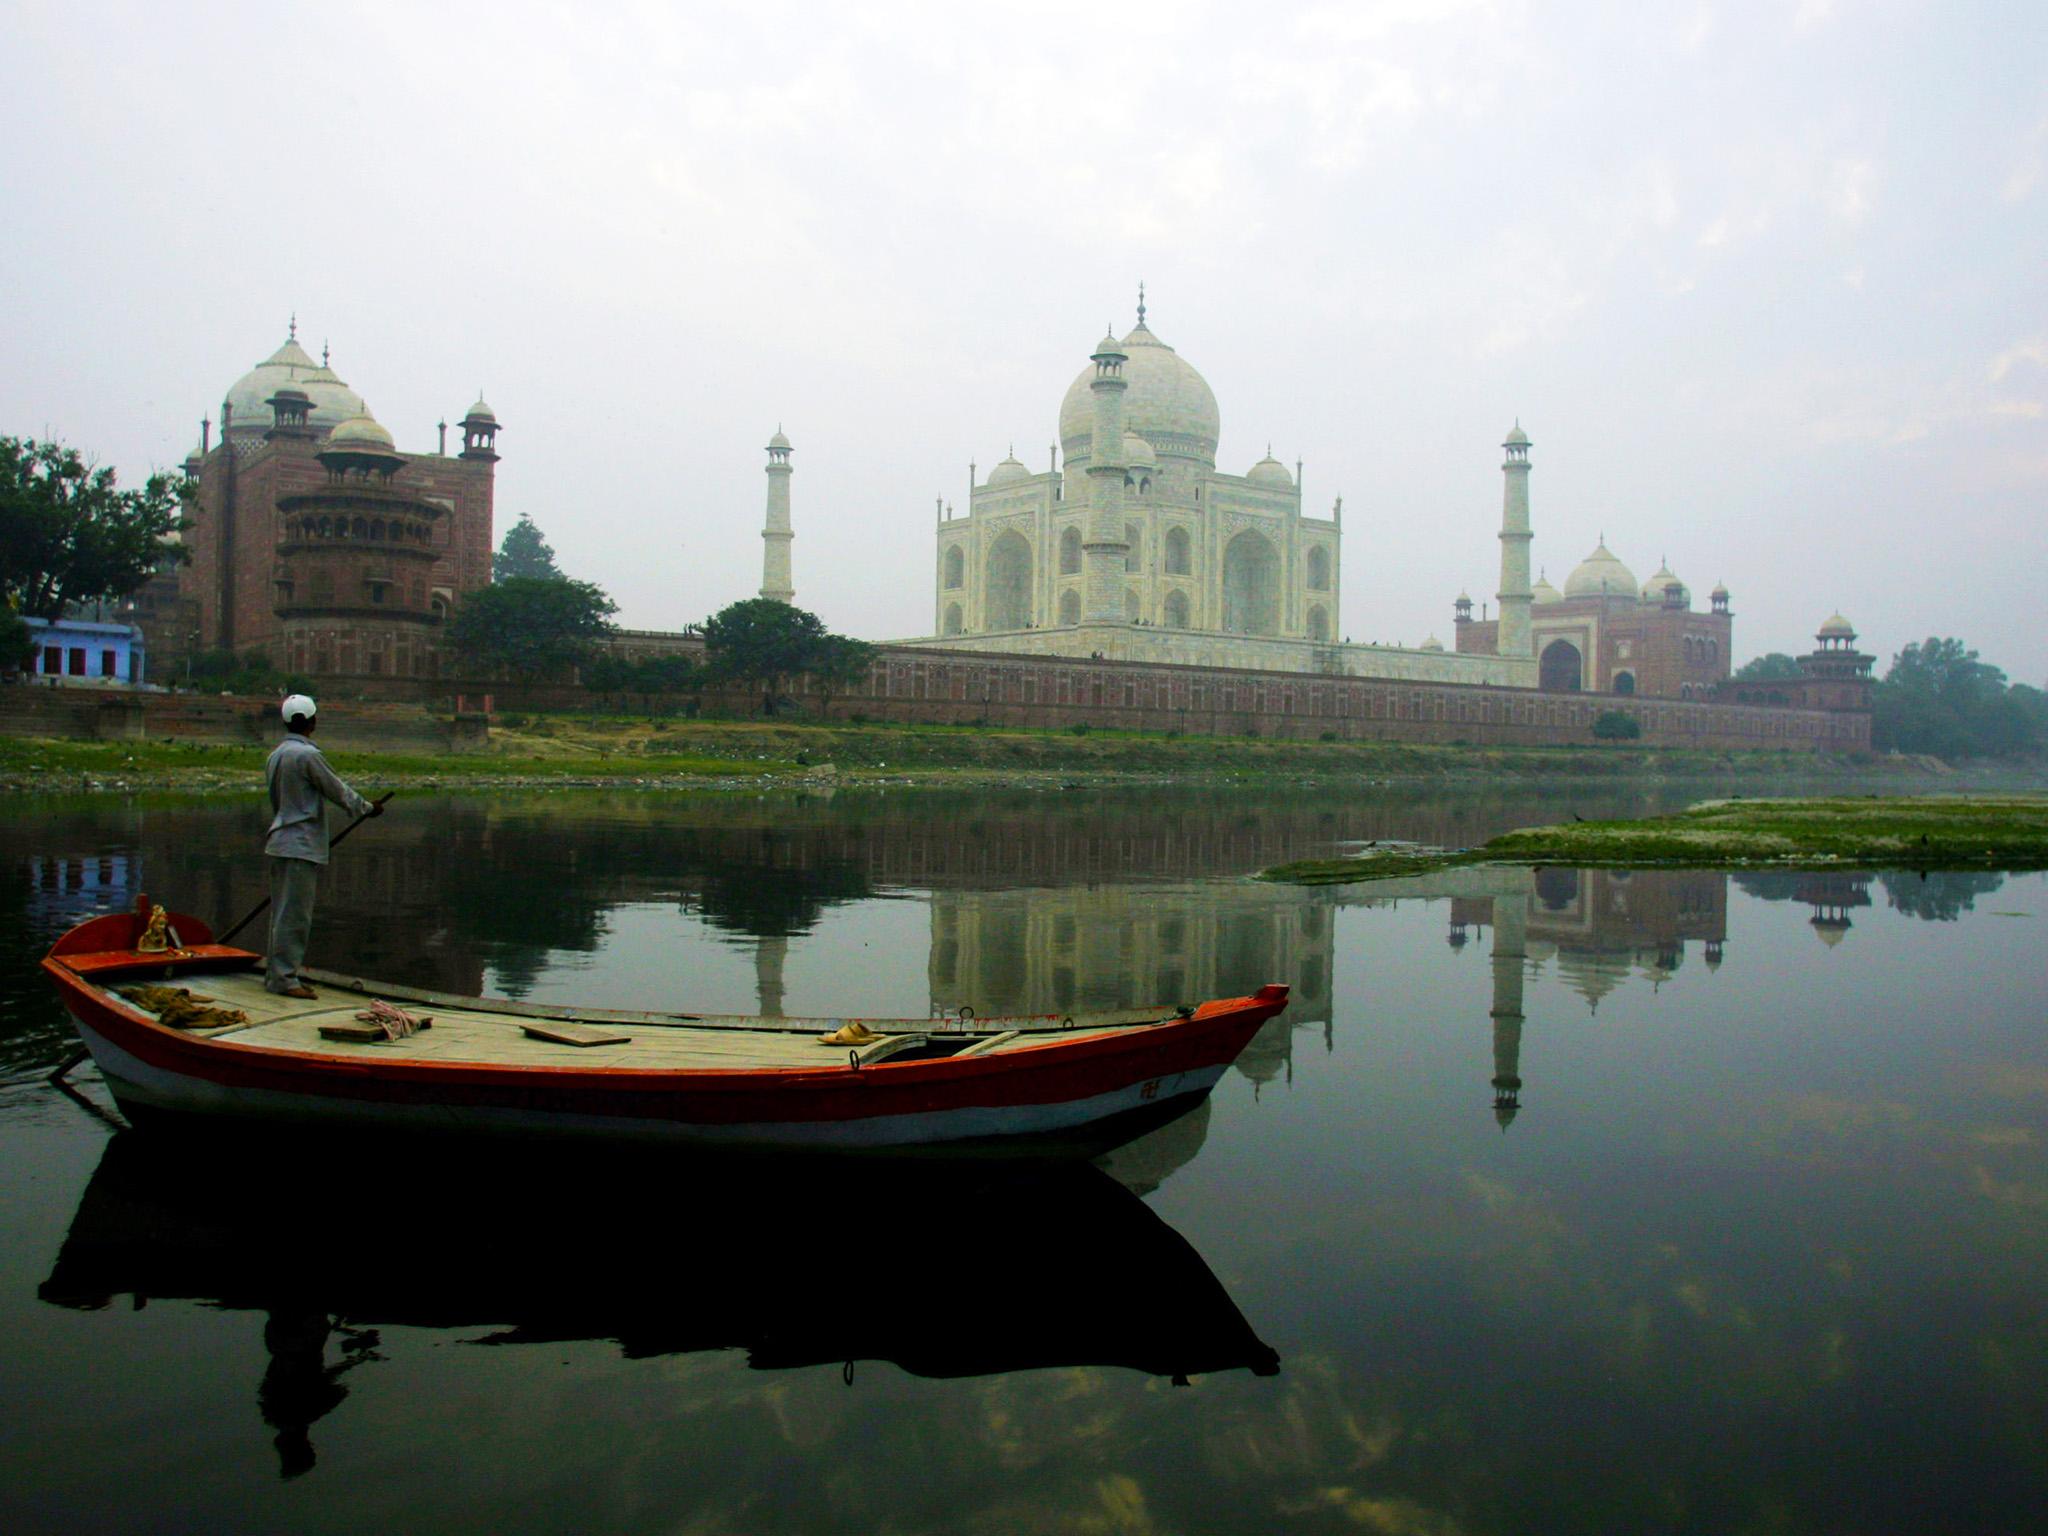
(480,432)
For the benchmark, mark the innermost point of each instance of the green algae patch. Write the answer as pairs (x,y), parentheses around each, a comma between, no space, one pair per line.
(2006,832)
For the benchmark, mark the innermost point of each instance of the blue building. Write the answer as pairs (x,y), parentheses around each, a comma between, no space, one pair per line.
(81,651)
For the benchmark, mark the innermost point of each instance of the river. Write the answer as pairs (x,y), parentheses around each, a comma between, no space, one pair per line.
(1556,1201)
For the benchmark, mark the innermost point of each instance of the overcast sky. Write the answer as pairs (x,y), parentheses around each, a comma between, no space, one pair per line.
(1766,284)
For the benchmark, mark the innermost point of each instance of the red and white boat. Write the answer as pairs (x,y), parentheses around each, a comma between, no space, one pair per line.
(490,1064)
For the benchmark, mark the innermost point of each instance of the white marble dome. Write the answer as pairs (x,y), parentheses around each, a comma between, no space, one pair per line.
(1600,573)
(1653,589)
(1166,402)
(1269,471)
(361,430)
(1010,469)
(290,368)
(1138,453)
(1544,592)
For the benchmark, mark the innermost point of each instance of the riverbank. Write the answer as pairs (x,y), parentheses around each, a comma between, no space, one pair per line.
(569,751)
(2003,832)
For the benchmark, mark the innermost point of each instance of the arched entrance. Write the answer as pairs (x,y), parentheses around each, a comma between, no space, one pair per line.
(1251,585)
(1008,604)
(1624,683)
(1560,668)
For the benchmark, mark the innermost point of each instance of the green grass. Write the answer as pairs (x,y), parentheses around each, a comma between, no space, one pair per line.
(1922,832)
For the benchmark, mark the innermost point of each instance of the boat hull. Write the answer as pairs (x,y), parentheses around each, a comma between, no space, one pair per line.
(1041,1090)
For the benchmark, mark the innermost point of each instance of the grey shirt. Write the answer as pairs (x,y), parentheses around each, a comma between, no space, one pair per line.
(301,784)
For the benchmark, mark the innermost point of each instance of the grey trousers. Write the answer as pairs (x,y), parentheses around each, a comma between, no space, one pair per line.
(294,883)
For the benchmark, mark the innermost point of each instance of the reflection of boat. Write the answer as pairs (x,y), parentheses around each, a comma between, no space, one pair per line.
(797,1262)
(497,1065)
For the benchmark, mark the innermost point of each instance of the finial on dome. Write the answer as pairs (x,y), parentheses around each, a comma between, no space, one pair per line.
(323,354)
(1141,301)
(292,330)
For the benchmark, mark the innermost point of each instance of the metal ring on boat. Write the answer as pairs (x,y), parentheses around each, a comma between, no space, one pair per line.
(846,1373)
(1067,1022)
(853,1060)
(966,1012)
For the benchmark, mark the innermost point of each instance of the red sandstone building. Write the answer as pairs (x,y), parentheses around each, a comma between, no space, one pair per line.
(316,543)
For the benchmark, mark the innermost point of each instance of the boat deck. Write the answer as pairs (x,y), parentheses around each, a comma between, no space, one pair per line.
(495,1032)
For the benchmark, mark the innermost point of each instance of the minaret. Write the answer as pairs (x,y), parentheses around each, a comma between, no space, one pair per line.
(1103,550)
(1514,636)
(1510,922)
(775,584)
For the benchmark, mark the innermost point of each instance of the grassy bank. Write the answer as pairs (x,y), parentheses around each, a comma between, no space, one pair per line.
(576,749)
(2004,832)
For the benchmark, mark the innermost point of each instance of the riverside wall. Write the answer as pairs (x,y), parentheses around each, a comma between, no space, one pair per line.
(915,685)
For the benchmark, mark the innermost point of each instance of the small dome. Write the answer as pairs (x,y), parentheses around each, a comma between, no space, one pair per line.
(777,441)
(1011,469)
(361,431)
(1653,589)
(1600,575)
(1138,453)
(289,368)
(1720,589)
(1431,644)
(1269,471)
(1463,599)
(1108,346)
(1516,438)
(1837,625)
(1544,592)
(482,412)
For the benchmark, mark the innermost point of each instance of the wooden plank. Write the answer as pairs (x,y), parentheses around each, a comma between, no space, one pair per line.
(891,1045)
(981,1046)
(574,1034)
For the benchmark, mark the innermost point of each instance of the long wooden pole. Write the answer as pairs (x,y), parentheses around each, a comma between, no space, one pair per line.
(257,910)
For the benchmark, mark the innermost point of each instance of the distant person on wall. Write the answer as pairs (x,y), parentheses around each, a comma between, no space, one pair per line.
(301,784)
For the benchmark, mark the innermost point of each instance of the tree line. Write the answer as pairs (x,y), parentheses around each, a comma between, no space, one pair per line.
(1940,698)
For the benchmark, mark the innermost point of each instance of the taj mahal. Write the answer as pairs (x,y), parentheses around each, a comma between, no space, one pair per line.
(1131,545)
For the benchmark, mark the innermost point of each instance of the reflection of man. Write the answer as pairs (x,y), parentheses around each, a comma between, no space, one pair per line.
(301,784)
(300,1388)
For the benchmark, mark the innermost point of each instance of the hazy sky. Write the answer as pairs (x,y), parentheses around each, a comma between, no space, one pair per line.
(1766,284)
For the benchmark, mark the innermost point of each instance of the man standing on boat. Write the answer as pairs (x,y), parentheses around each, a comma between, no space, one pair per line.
(301,784)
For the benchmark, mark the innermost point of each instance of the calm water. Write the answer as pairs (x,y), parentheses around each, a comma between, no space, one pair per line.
(1571,1202)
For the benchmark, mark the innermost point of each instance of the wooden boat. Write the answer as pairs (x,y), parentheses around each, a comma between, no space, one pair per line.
(498,1065)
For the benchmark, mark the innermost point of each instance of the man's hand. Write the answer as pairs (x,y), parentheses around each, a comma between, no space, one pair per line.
(376,809)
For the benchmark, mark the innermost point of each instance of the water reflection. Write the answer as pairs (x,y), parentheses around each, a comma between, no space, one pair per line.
(566,1247)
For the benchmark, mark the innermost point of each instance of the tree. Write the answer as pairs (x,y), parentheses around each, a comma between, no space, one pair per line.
(1939,698)
(611,675)
(69,535)
(1616,725)
(1768,668)
(523,552)
(837,665)
(16,648)
(531,627)
(763,643)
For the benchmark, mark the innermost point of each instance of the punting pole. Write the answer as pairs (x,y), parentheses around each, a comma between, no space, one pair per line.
(257,910)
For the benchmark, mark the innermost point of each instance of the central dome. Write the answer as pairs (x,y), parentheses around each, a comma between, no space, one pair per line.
(290,368)
(1600,575)
(1167,403)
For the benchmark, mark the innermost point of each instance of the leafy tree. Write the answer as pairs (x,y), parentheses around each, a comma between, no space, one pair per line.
(69,535)
(837,665)
(763,643)
(1767,668)
(531,627)
(1616,725)
(611,675)
(16,649)
(523,552)
(1939,698)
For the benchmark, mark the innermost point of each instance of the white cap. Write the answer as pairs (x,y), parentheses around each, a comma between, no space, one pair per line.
(297,706)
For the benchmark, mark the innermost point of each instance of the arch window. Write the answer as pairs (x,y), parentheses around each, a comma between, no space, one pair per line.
(377,529)
(1177,562)
(1145,486)
(952,618)
(1251,585)
(956,566)
(1070,552)
(1624,683)
(1070,607)
(1134,551)
(1319,569)
(1009,583)
(361,528)
(1558,670)
(1132,610)
(1318,623)
(1176,609)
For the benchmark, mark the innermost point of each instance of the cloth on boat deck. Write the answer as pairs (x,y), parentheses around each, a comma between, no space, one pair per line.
(182,1008)
(301,784)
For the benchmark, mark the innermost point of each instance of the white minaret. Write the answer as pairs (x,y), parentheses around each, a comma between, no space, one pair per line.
(775,538)
(1104,548)
(1514,594)
(1510,952)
